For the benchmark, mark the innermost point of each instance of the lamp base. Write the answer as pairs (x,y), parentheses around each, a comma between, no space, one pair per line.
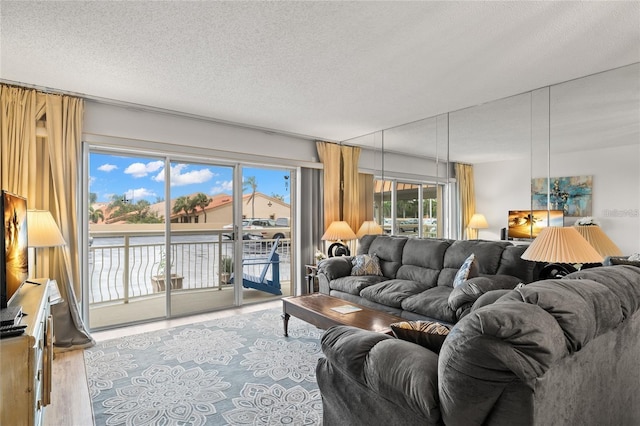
(338,249)
(556,270)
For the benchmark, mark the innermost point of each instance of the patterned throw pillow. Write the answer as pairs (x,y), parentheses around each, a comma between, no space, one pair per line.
(469,269)
(429,334)
(363,264)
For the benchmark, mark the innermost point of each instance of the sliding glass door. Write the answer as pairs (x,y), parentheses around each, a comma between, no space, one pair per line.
(168,237)
(200,246)
(409,209)
(126,234)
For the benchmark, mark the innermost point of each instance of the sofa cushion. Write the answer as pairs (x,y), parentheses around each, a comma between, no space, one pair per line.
(425,252)
(488,254)
(432,303)
(469,269)
(512,264)
(429,334)
(392,292)
(583,308)
(364,264)
(472,289)
(623,281)
(355,284)
(389,252)
(422,260)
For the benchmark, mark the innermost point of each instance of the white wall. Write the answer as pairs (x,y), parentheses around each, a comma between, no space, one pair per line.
(503,186)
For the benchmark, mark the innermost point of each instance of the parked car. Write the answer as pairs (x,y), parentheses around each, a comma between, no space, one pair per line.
(265,228)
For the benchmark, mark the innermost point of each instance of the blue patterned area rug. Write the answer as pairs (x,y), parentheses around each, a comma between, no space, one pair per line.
(238,370)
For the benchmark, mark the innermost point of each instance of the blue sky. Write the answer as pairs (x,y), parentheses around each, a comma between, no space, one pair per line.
(143,178)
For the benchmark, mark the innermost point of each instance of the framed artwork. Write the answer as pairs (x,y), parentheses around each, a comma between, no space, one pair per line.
(572,194)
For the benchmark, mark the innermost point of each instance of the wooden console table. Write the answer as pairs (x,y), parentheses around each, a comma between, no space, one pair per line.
(27,359)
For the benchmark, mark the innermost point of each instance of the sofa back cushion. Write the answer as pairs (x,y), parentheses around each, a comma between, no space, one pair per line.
(512,264)
(387,248)
(487,253)
(422,260)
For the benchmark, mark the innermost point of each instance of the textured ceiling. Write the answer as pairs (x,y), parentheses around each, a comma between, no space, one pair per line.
(329,70)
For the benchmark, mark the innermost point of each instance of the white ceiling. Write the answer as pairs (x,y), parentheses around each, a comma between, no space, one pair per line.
(327,70)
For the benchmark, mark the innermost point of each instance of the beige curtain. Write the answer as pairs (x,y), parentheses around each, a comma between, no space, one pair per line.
(47,176)
(351,190)
(329,154)
(466,185)
(366,198)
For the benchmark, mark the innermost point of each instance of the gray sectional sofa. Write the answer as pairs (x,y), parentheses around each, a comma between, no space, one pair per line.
(554,352)
(417,275)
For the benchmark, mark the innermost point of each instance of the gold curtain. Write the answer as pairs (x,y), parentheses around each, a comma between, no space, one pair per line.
(351,208)
(43,167)
(466,188)
(329,154)
(366,198)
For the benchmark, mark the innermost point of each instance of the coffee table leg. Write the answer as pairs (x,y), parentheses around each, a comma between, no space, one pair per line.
(285,319)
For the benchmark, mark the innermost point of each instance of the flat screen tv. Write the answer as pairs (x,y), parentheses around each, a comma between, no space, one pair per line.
(14,256)
(527,224)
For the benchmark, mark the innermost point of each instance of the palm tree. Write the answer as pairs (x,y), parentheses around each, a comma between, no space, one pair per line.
(95,215)
(118,206)
(201,200)
(250,182)
(182,204)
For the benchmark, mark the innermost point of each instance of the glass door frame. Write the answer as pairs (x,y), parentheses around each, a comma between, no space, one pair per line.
(169,157)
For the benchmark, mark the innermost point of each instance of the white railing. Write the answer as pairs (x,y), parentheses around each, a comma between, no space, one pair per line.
(129,264)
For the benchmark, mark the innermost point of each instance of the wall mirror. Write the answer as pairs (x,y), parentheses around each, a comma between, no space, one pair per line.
(595,139)
(585,127)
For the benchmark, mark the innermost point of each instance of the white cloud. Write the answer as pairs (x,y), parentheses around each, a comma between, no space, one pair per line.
(135,195)
(222,187)
(138,170)
(178,178)
(107,167)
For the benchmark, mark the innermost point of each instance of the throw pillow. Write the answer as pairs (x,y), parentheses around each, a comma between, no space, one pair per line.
(428,334)
(364,264)
(469,269)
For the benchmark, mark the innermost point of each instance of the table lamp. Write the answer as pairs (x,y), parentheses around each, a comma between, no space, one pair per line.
(42,232)
(478,221)
(369,227)
(338,231)
(561,248)
(598,240)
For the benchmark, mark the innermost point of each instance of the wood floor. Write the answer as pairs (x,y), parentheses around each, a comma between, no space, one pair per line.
(70,401)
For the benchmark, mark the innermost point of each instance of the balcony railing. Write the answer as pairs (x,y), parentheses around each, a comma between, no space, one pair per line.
(124,264)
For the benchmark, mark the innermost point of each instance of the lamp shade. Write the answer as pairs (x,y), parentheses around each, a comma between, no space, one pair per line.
(369,227)
(42,230)
(339,230)
(478,221)
(561,245)
(599,240)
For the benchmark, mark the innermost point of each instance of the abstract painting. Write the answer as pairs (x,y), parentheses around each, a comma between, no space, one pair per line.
(572,194)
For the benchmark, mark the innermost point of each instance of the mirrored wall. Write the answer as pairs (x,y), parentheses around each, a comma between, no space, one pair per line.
(528,151)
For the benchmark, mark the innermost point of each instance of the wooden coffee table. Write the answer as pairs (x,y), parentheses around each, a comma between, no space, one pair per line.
(316,309)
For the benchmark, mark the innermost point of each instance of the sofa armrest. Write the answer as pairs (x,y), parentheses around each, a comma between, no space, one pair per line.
(399,371)
(470,290)
(332,268)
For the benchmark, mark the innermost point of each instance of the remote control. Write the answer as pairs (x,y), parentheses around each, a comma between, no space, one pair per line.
(11,333)
(10,327)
